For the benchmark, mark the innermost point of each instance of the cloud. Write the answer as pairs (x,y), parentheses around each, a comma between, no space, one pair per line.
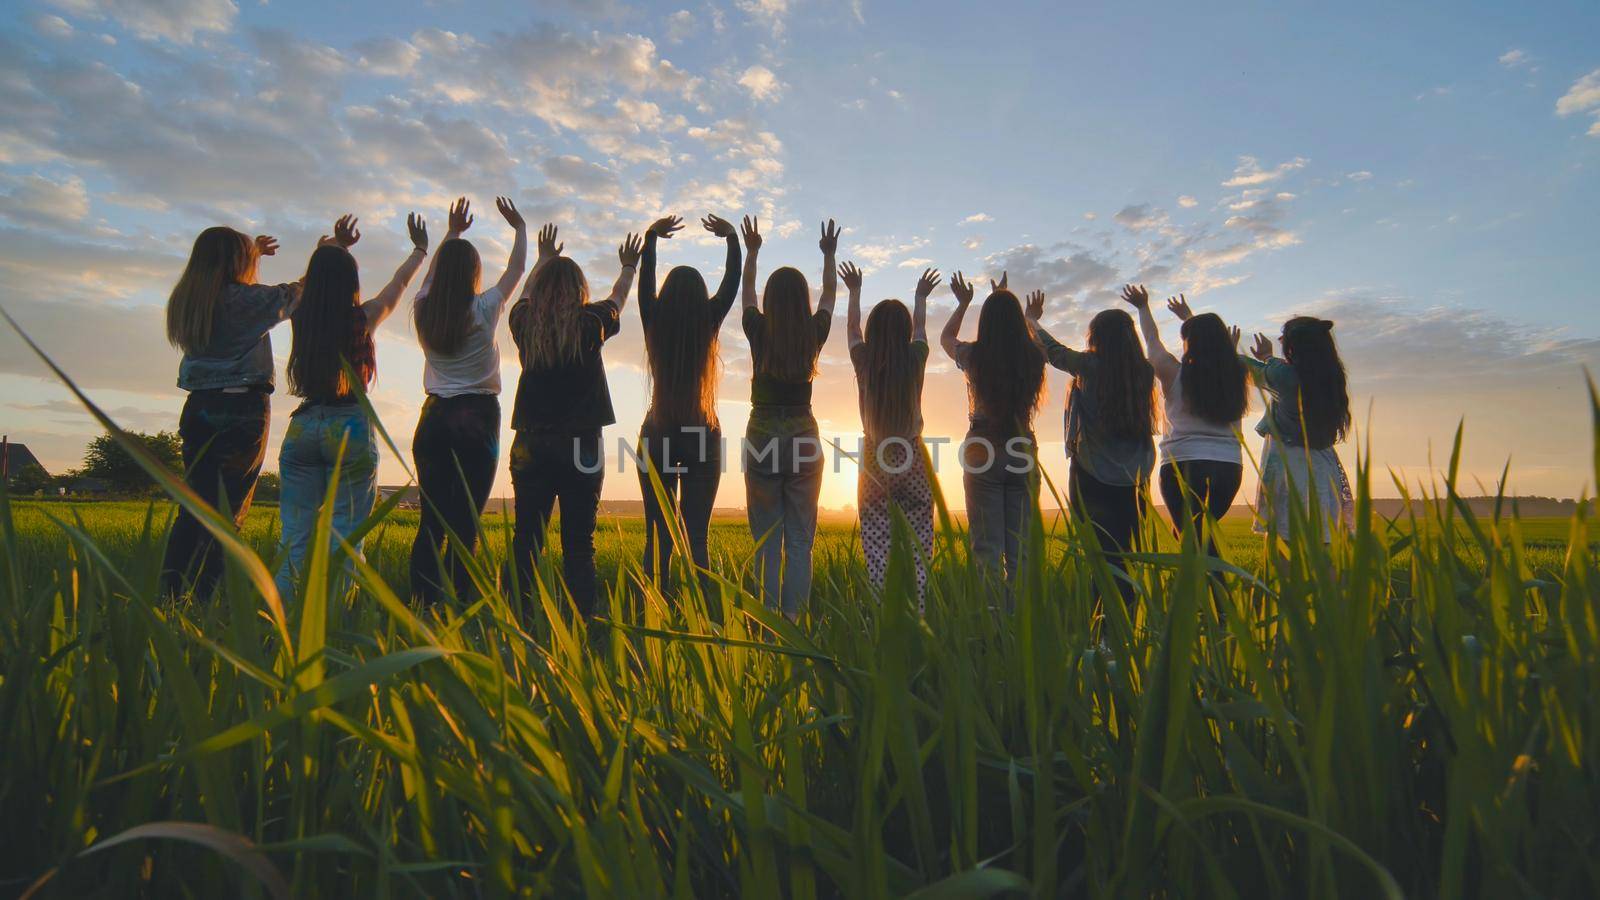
(1188,202)
(1250,174)
(872,256)
(976,218)
(680,25)
(178,21)
(1583,97)
(1140,217)
(1513,58)
(53,26)
(972,243)
(34,199)
(767,13)
(761,83)
(1362,175)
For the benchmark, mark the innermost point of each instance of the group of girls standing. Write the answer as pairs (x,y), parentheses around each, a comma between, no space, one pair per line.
(221,319)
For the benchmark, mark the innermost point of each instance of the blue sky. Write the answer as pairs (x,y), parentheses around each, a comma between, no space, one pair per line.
(1427,176)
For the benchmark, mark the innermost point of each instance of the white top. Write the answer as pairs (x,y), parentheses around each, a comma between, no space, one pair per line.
(475,368)
(1189,437)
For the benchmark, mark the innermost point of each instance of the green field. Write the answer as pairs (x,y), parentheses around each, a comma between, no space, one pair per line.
(1414,711)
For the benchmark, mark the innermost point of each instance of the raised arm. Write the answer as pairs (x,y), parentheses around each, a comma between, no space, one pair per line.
(751,229)
(628,255)
(663,227)
(460,220)
(1165,364)
(380,306)
(852,316)
(949,339)
(517,263)
(919,304)
(829,245)
(1058,354)
(548,250)
(1255,362)
(723,300)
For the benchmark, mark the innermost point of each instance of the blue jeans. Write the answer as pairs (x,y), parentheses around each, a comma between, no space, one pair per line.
(305,463)
(1000,507)
(783,468)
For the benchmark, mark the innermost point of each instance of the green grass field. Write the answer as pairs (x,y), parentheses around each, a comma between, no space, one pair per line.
(1412,711)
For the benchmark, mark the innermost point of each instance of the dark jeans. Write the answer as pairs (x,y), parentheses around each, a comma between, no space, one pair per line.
(224,442)
(456,448)
(1197,488)
(546,467)
(1113,510)
(689,464)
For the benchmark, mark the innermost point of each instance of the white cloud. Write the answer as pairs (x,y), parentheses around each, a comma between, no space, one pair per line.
(914,262)
(1140,217)
(977,217)
(1513,58)
(972,243)
(1250,174)
(53,26)
(679,25)
(762,84)
(1583,97)
(1188,202)
(37,200)
(178,21)
(1362,175)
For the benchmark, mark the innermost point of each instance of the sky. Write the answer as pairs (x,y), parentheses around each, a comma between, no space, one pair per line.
(1426,175)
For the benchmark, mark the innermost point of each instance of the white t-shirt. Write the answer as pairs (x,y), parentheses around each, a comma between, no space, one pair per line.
(475,368)
(1189,437)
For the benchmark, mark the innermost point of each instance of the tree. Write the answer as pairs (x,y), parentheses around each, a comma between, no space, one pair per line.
(30,479)
(268,488)
(105,459)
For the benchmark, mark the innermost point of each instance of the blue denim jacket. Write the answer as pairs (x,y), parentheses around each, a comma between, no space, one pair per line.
(239,353)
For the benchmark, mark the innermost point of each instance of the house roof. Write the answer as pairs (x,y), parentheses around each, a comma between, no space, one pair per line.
(16,457)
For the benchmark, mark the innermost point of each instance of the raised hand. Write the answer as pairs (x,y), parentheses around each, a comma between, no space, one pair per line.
(460,215)
(628,253)
(266,245)
(509,211)
(1234,333)
(1135,296)
(666,226)
(962,288)
(548,248)
(1035,306)
(1180,308)
(999,285)
(1263,348)
(926,284)
(345,233)
(418,230)
(717,225)
(751,229)
(830,238)
(850,275)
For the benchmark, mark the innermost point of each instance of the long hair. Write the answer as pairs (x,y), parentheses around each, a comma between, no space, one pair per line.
(1123,384)
(1006,371)
(1324,395)
(791,345)
(444,314)
(681,344)
(890,396)
(221,256)
(330,328)
(1213,379)
(551,333)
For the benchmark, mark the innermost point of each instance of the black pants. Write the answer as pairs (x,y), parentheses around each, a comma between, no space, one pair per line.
(546,467)
(456,448)
(224,442)
(1194,489)
(689,463)
(1114,511)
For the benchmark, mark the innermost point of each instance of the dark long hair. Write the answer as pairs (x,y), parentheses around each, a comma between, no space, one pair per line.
(330,328)
(1123,384)
(791,345)
(890,396)
(221,256)
(1005,375)
(444,314)
(1212,376)
(682,348)
(1324,395)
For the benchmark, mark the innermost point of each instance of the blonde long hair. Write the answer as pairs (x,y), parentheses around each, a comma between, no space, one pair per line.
(551,331)
(221,256)
(444,314)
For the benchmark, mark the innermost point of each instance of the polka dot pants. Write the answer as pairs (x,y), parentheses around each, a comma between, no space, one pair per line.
(879,486)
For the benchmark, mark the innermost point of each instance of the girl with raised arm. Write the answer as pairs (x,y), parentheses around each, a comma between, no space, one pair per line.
(1308,412)
(1005,379)
(1201,458)
(563,401)
(890,360)
(332,341)
(220,318)
(783,450)
(1110,418)
(681,438)
(457,442)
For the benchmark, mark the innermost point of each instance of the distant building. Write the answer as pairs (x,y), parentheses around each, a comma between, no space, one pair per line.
(90,486)
(16,459)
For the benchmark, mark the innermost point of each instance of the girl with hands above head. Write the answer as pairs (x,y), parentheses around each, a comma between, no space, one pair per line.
(783,458)
(221,319)
(1202,461)
(680,441)
(891,359)
(562,403)
(457,442)
(1005,379)
(332,360)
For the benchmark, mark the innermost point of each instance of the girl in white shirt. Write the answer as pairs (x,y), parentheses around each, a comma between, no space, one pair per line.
(457,443)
